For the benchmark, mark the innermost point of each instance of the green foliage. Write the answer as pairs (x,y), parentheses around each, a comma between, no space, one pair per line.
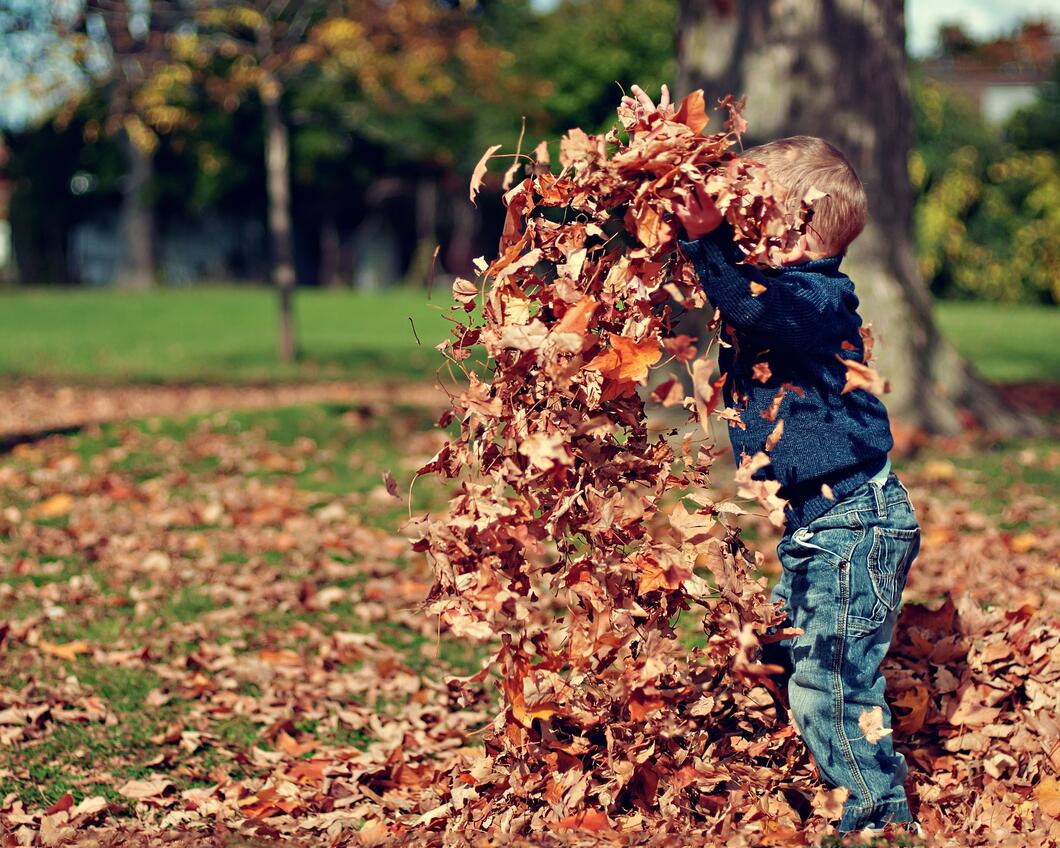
(1037,126)
(988,212)
(585,49)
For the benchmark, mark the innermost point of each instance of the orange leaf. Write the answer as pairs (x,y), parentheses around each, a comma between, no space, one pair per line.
(593,820)
(277,657)
(54,507)
(861,376)
(1047,793)
(627,360)
(69,651)
(693,112)
(576,319)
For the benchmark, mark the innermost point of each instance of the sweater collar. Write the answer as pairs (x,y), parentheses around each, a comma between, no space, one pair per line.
(826,265)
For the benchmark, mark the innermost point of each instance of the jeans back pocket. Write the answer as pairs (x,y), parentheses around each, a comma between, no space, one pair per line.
(893,550)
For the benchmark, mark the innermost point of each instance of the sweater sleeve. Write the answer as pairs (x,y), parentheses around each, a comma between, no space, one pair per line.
(790,310)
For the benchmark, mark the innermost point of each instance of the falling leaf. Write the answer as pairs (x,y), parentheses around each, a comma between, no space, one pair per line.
(693,112)
(774,436)
(479,173)
(762,372)
(871,723)
(757,288)
(391,485)
(669,393)
(707,394)
(576,318)
(545,449)
(626,359)
(681,347)
(911,709)
(861,376)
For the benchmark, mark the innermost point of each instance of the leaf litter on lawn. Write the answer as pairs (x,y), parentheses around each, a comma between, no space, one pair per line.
(271,690)
(246,586)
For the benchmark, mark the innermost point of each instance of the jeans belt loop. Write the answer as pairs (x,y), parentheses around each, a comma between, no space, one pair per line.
(877,496)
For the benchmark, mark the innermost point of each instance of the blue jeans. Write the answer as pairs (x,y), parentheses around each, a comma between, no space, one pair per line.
(842,581)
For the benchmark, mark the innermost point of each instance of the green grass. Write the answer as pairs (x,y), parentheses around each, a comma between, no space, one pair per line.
(228,334)
(1009,343)
(216,334)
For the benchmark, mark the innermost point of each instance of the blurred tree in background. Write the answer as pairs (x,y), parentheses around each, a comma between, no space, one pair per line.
(337,137)
(988,207)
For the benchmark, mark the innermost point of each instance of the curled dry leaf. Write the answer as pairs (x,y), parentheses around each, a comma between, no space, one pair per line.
(861,376)
(479,174)
(557,543)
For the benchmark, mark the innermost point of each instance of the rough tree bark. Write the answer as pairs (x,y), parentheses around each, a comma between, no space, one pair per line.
(277,168)
(838,69)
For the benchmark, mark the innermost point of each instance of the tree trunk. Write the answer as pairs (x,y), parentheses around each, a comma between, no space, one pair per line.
(136,270)
(426,231)
(277,170)
(461,243)
(330,247)
(838,69)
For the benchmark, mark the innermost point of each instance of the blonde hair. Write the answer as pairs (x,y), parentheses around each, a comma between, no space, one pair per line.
(803,162)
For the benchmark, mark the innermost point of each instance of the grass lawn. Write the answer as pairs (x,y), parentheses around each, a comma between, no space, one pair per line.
(216,334)
(226,334)
(1010,343)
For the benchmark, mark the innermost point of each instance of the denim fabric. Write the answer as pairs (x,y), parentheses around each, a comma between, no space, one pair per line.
(842,581)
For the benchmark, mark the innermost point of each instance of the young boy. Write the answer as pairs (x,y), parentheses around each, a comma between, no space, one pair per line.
(851,531)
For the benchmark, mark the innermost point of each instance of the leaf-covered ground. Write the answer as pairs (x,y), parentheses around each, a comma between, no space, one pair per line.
(210,625)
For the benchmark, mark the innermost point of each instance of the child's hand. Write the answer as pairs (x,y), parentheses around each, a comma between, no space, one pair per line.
(643,105)
(698,215)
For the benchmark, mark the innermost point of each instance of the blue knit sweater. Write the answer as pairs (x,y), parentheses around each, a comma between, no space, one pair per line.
(797,326)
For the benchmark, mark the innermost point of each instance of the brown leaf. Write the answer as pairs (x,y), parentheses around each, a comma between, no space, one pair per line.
(681,347)
(670,393)
(141,790)
(480,172)
(861,376)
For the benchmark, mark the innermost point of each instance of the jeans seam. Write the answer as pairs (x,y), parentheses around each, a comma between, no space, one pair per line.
(838,701)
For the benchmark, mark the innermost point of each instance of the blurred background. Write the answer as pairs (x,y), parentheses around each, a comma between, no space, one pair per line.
(259,190)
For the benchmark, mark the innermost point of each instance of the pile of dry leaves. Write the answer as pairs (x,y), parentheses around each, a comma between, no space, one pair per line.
(208,637)
(578,540)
